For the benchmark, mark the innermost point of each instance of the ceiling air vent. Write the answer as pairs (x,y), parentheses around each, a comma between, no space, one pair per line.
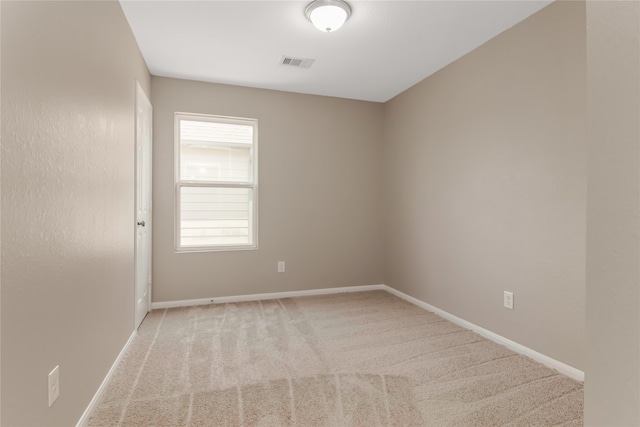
(296,62)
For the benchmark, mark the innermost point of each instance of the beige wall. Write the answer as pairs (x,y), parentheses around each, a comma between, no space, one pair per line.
(612,383)
(486,185)
(68,85)
(484,181)
(0,221)
(319,193)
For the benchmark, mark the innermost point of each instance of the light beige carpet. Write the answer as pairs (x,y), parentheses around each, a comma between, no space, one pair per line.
(358,359)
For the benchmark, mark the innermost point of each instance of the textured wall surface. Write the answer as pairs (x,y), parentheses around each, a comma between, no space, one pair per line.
(478,175)
(68,85)
(319,193)
(612,382)
(486,185)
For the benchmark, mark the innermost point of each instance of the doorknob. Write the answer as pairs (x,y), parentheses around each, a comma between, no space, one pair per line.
(141,223)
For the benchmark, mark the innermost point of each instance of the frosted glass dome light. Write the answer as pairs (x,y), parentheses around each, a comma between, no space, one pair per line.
(328,15)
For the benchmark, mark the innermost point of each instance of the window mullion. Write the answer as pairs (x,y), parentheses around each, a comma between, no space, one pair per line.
(216,184)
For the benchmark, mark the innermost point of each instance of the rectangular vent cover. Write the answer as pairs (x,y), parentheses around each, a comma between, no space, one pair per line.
(296,62)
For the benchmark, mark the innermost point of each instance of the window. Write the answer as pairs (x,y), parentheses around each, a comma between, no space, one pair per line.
(216,182)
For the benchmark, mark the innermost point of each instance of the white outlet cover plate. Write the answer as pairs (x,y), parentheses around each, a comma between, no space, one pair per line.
(54,385)
(508,300)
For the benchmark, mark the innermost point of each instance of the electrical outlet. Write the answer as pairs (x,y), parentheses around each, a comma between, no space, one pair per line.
(508,300)
(54,385)
(280,266)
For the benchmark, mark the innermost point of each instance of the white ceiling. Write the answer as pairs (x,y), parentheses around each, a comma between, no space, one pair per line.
(384,48)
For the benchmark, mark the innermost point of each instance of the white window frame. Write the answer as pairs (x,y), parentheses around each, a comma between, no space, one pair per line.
(178,183)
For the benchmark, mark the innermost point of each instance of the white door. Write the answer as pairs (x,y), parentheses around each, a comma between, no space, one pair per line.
(143,205)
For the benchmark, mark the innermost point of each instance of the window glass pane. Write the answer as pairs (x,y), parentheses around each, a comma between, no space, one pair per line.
(204,132)
(231,164)
(215,216)
(212,151)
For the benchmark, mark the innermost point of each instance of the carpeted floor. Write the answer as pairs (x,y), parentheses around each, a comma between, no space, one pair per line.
(356,359)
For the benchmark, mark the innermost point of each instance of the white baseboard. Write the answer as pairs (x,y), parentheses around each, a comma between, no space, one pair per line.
(84,419)
(563,368)
(266,296)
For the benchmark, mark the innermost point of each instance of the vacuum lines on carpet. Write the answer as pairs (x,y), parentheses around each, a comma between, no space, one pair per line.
(356,359)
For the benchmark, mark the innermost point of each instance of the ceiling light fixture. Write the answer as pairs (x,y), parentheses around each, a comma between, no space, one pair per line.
(328,15)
